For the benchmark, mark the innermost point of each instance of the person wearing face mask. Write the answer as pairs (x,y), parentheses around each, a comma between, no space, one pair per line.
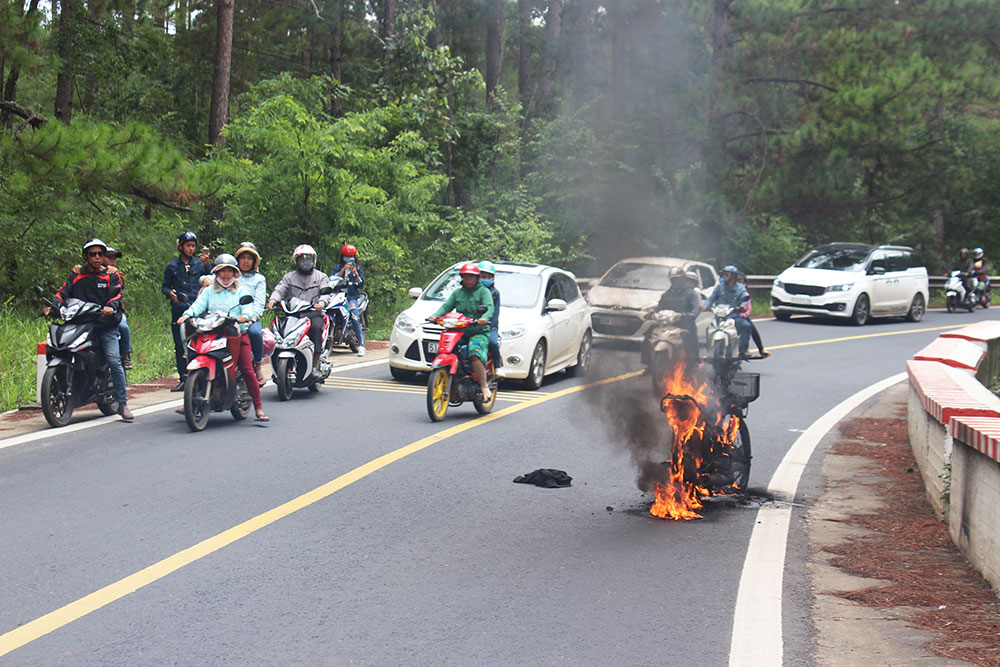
(305,283)
(223,295)
(349,268)
(487,272)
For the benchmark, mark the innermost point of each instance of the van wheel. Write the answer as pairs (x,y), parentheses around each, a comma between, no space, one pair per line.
(861,311)
(917,309)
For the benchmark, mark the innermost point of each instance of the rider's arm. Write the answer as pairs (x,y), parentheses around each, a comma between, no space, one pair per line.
(259,298)
(279,290)
(448,304)
(712,297)
(115,292)
(361,276)
(200,304)
(64,292)
(486,299)
(168,279)
(324,299)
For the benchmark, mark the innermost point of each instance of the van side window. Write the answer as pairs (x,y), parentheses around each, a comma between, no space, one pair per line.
(896,260)
(878,261)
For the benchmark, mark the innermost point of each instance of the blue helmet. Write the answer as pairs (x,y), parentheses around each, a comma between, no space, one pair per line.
(729,268)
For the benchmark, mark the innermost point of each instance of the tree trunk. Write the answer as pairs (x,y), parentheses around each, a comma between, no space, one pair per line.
(10,88)
(524,55)
(434,35)
(64,80)
(547,77)
(387,32)
(715,147)
(619,30)
(494,47)
(583,11)
(337,57)
(219,111)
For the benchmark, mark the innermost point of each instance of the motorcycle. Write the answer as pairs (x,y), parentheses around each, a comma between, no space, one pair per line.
(214,382)
(981,292)
(955,294)
(77,372)
(341,319)
(292,358)
(451,381)
(666,345)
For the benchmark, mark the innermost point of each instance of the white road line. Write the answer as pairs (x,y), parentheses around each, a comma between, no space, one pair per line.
(757,640)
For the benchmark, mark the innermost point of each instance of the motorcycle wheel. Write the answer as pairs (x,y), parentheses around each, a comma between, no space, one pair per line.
(719,349)
(437,394)
(486,407)
(196,408)
(739,453)
(950,303)
(283,379)
(352,340)
(242,401)
(57,403)
(108,408)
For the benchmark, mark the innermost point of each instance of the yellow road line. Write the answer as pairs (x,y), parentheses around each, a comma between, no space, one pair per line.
(63,616)
(860,336)
(501,396)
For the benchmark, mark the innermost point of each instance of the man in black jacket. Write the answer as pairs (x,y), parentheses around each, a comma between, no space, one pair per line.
(95,284)
(181,282)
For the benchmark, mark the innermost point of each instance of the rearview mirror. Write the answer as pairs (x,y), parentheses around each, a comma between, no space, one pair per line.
(326,289)
(555,304)
(245,299)
(415,292)
(39,291)
(877,270)
(481,310)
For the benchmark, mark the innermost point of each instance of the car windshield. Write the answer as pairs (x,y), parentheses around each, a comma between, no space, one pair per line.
(517,290)
(638,276)
(835,259)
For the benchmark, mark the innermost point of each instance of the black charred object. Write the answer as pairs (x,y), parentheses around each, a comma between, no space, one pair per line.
(549,478)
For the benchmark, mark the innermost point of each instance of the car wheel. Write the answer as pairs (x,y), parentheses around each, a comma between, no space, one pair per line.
(861,310)
(782,315)
(917,309)
(582,357)
(536,369)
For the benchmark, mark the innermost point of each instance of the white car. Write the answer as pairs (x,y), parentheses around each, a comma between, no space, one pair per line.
(633,285)
(544,324)
(854,281)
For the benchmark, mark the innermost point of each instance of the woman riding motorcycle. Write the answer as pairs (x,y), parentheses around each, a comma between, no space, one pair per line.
(350,270)
(254,283)
(223,295)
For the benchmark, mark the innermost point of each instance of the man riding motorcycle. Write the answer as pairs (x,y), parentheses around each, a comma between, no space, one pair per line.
(729,292)
(305,282)
(95,284)
(466,299)
(964,265)
(680,298)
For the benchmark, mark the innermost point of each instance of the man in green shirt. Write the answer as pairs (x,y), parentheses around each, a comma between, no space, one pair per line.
(466,299)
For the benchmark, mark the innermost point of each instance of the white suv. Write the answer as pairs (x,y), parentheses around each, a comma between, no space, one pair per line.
(853,281)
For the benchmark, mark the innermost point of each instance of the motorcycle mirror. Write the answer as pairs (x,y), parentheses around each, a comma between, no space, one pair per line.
(39,291)
(245,299)
(326,289)
(481,310)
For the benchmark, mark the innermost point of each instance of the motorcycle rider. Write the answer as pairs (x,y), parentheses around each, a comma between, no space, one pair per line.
(754,334)
(980,269)
(305,282)
(680,298)
(487,271)
(350,270)
(466,299)
(95,284)
(964,265)
(223,295)
(181,282)
(111,256)
(253,282)
(729,292)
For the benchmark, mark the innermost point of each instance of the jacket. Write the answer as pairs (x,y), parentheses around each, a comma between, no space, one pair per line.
(255,284)
(183,279)
(304,286)
(738,297)
(495,320)
(215,297)
(684,300)
(354,285)
(466,301)
(99,287)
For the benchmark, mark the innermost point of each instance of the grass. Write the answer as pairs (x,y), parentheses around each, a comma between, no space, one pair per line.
(21,329)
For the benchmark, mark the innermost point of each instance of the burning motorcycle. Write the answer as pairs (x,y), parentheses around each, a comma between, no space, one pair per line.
(342,321)
(214,382)
(955,294)
(451,381)
(76,373)
(292,358)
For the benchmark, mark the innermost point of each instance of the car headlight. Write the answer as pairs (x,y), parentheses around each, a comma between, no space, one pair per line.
(840,288)
(778,283)
(514,332)
(405,324)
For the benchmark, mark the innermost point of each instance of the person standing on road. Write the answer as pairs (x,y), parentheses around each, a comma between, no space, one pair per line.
(487,271)
(764,354)
(93,283)
(731,293)
(306,282)
(181,282)
(349,268)
(256,285)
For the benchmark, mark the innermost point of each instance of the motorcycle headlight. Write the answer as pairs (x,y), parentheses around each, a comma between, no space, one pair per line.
(846,287)
(514,332)
(405,324)
(778,283)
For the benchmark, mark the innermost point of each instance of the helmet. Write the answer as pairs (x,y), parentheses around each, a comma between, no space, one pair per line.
(469,268)
(977,253)
(349,251)
(225,260)
(184,237)
(963,252)
(113,253)
(486,266)
(248,247)
(692,276)
(729,268)
(95,243)
(676,272)
(304,249)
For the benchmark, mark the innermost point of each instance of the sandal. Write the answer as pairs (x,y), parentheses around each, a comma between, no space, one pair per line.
(764,354)
(261,417)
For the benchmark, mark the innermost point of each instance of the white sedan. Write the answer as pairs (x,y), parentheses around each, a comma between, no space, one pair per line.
(544,324)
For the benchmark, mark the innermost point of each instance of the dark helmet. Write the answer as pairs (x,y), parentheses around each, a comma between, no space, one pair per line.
(184,237)
(223,261)
(729,268)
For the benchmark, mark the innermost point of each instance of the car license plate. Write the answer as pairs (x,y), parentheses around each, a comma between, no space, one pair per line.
(610,321)
(432,347)
(801,299)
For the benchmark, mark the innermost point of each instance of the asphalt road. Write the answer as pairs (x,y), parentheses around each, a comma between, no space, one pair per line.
(432,558)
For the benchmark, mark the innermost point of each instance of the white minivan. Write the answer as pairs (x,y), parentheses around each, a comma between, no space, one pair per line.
(853,281)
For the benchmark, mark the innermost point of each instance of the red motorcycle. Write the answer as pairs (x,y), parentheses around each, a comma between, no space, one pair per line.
(451,381)
(214,382)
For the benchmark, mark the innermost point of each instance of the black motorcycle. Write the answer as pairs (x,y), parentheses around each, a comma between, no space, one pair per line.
(77,372)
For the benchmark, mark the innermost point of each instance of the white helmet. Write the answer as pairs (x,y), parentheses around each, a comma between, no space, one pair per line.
(304,249)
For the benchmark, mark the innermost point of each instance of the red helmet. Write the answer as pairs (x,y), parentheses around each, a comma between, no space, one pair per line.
(469,267)
(349,251)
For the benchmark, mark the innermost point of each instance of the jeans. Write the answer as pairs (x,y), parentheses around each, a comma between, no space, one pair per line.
(109,343)
(316,321)
(352,305)
(256,334)
(743,329)
(495,348)
(125,338)
(180,354)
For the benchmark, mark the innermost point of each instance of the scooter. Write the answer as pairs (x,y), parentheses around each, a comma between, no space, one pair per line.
(77,372)
(342,321)
(955,295)
(451,381)
(666,345)
(214,382)
(292,358)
